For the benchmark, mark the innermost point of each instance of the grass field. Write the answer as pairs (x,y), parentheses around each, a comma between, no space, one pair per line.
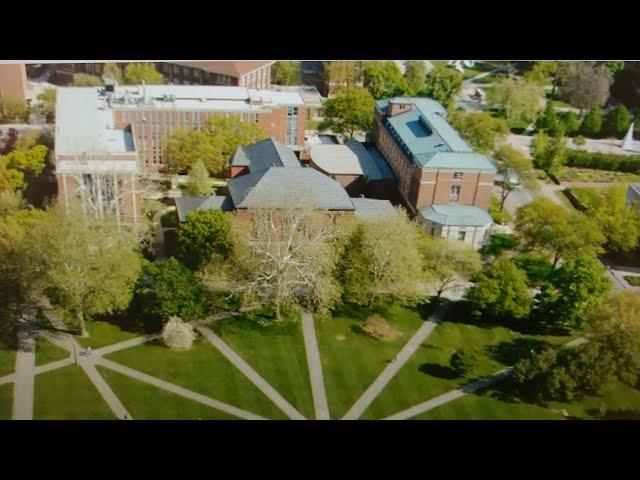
(68,394)
(105,333)
(352,360)
(276,352)
(7,360)
(201,369)
(47,352)
(7,342)
(146,402)
(6,401)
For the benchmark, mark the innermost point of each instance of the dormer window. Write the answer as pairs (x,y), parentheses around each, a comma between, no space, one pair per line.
(458,175)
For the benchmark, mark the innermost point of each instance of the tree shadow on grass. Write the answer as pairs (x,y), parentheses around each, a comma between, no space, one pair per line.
(510,352)
(438,371)
(616,414)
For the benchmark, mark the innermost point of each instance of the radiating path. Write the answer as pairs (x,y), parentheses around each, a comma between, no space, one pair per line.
(318,391)
(25,365)
(396,364)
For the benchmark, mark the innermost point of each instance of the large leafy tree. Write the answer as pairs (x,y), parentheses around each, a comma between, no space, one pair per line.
(587,84)
(286,73)
(166,288)
(442,84)
(574,291)
(500,292)
(512,162)
(205,233)
(88,266)
(548,226)
(350,111)
(619,221)
(519,98)
(136,73)
(445,262)
(414,75)
(480,129)
(212,146)
(384,80)
(18,163)
(618,121)
(342,73)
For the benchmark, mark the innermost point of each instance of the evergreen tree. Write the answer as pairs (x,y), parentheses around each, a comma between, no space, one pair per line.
(592,123)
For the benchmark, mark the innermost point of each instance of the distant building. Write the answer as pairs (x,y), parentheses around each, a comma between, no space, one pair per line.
(443,181)
(13,80)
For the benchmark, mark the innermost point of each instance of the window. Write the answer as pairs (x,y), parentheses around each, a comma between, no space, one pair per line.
(458,175)
(292,125)
(455,193)
(461,234)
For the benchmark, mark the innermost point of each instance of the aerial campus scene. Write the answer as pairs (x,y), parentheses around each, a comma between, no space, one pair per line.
(320,240)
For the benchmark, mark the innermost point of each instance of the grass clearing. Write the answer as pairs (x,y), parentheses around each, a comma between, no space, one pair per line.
(146,402)
(275,351)
(201,369)
(47,352)
(6,401)
(68,394)
(351,360)
(105,333)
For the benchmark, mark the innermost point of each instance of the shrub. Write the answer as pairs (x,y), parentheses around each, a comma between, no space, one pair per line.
(178,334)
(500,217)
(603,161)
(13,110)
(579,141)
(83,80)
(463,362)
(377,327)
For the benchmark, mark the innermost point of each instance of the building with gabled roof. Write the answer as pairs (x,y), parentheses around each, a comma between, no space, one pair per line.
(436,169)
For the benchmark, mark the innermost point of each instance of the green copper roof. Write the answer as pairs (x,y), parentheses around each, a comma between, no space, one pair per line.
(456,215)
(425,135)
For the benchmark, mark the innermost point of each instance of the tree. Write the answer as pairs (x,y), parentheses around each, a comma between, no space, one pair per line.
(342,73)
(549,153)
(17,163)
(350,111)
(373,269)
(284,258)
(414,75)
(500,292)
(88,266)
(286,73)
(549,120)
(13,110)
(571,123)
(619,221)
(512,162)
(592,123)
(84,80)
(446,262)
(618,121)
(212,146)
(614,66)
(543,72)
(167,288)
(178,334)
(463,361)
(587,85)
(619,312)
(136,73)
(205,233)
(442,84)
(546,225)
(480,129)
(112,71)
(520,99)
(573,292)
(47,106)
(198,183)
(384,80)
(536,265)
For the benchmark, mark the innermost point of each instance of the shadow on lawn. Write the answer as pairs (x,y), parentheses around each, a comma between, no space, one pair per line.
(438,371)
(510,352)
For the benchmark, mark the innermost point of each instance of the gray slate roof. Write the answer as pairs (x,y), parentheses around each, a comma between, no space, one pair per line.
(264,154)
(456,215)
(186,205)
(283,187)
(371,210)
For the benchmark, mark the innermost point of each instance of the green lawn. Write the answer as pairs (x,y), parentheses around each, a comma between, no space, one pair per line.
(105,333)
(68,394)
(6,401)
(7,342)
(7,360)
(633,280)
(275,352)
(620,400)
(351,360)
(146,402)
(201,369)
(47,352)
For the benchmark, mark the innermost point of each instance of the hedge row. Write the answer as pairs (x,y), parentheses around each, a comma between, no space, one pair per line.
(603,161)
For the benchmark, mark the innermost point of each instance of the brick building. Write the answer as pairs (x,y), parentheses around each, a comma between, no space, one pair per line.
(443,181)
(13,80)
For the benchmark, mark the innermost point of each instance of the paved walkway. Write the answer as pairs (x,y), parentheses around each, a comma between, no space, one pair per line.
(396,364)
(159,230)
(183,392)
(250,373)
(452,395)
(320,404)
(25,365)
